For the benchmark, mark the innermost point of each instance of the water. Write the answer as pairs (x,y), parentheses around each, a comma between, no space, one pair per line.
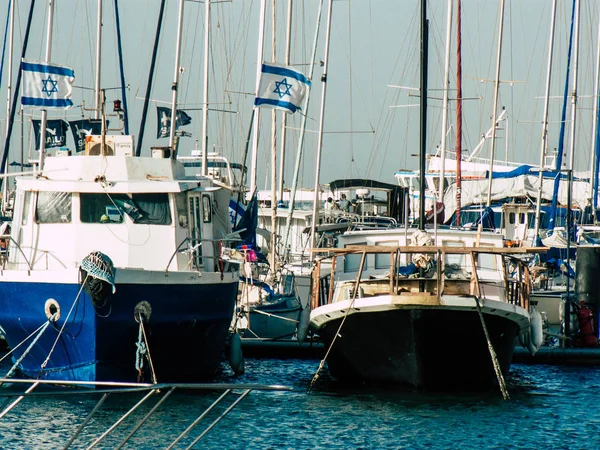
(550,407)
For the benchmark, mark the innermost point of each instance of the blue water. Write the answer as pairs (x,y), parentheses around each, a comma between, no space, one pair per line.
(550,407)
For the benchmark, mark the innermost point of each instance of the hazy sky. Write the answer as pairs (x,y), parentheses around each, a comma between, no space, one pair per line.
(374,43)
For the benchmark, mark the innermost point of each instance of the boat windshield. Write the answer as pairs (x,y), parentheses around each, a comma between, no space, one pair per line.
(141,208)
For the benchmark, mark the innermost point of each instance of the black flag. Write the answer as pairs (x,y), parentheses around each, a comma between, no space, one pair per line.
(164,121)
(83,128)
(56,133)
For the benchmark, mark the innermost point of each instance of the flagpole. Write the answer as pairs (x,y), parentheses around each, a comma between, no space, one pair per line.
(317,203)
(205,109)
(176,80)
(261,38)
(48,57)
(97,100)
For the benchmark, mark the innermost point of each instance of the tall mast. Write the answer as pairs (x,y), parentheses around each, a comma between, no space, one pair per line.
(11,30)
(458,149)
(48,57)
(317,203)
(445,102)
(299,150)
(574,91)
(176,80)
(256,120)
(423,111)
(272,254)
(495,112)
(538,207)
(97,99)
(205,106)
(596,142)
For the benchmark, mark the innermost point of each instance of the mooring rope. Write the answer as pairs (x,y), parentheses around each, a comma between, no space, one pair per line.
(492,353)
(75,302)
(143,349)
(13,349)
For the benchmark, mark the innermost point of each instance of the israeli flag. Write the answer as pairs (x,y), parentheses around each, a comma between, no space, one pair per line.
(281,87)
(46,85)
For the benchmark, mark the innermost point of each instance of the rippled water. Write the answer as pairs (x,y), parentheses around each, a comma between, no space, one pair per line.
(550,407)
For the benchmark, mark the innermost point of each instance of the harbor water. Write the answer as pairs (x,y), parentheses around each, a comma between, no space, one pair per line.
(549,407)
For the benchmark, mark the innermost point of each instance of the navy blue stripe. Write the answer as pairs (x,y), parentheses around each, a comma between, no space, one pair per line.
(286,73)
(267,101)
(59,103)
(43,68)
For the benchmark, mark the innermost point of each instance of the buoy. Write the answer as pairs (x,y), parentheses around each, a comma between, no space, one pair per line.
(236,359)
(303,323)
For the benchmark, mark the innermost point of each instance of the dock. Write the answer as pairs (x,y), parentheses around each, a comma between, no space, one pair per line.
(558,356)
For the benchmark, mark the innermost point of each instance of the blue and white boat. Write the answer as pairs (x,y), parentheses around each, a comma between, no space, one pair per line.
(114,269)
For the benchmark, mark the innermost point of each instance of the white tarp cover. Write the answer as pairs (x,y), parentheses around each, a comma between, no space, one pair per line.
(474,192)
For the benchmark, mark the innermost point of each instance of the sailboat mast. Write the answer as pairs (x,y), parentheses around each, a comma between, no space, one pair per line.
(97,99)
(445,103)
(423,110)
(11,30)
(272,253)
(317,203)
(205,106)
(574,90)
(48,57)
(176,79)
(596,142)
(458,149)
(538,207)
(256,120)
(495,111)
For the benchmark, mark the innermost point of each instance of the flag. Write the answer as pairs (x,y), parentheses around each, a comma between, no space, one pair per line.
(56,133)
(164,121)
(46,85)
(281,87)
(83,128)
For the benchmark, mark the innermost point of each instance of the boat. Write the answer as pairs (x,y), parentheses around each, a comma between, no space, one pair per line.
(425,316)
(118,259)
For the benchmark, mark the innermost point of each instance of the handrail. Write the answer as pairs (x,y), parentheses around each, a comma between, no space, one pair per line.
(9,237)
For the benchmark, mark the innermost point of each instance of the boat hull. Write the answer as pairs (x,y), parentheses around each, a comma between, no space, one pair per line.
(186,330)
(420,348)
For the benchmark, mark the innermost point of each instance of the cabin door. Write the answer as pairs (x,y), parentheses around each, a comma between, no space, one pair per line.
(195,227)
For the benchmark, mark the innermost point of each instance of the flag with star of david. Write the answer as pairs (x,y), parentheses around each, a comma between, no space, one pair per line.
(46,85)
(281,87)
(164,122)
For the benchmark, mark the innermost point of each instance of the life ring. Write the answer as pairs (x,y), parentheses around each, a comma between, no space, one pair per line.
(52,310)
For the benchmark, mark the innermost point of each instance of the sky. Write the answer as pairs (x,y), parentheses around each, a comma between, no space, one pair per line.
(371,130)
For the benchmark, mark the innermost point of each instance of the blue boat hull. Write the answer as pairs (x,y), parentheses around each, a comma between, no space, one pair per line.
(186,331)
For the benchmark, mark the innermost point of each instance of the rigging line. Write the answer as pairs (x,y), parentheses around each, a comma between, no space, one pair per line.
(5,38)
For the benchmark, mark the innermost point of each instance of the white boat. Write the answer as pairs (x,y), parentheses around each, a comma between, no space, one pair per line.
(433,329)
(114,271)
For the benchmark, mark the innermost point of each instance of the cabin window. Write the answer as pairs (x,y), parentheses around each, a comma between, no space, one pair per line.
(26,203)
(382,260)
(206,210)
(53,207)
(522,218)
(511,218)
(141,208)
(180,204)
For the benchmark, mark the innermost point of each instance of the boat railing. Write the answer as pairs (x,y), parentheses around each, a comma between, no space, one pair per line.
(436,276)
(10,242)
(147,400)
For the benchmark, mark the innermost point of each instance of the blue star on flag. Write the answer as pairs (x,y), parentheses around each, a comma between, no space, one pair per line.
(286,88)
(49,83)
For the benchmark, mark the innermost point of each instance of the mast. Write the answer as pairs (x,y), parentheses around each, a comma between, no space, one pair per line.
(97,99)
(595,138)
(256,119)
(48,57)
(11,29)
(495,112)
(205,107)
(538,206)
(299,150)
(574,91)
(423,111)
(445,103)
(458,150)
(176,80)
(272,255)
(317,203)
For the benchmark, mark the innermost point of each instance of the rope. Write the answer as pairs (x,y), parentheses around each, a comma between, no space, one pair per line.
(143,350)
(43,366)
(492,353)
